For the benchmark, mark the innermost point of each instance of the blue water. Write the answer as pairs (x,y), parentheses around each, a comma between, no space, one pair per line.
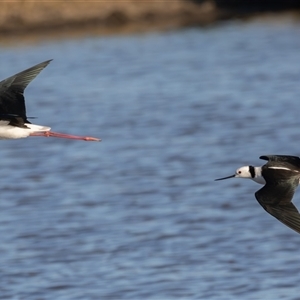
(139,215)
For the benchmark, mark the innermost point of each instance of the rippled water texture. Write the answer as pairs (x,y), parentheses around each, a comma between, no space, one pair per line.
(139,216)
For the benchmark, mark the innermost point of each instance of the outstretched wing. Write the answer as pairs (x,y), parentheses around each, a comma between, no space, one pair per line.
(12,100)
(285,213)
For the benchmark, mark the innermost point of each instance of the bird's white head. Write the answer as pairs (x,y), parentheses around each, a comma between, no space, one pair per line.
(250,172)
(244,172)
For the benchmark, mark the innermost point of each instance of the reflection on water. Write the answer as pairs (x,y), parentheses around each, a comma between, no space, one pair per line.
(138,216)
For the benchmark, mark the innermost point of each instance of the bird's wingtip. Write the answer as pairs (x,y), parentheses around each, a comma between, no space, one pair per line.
(264,157)
(47,62)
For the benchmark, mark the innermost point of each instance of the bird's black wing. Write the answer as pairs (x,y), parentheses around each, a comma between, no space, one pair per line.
(276,196)
(287,214)
(293,160)
(12,100)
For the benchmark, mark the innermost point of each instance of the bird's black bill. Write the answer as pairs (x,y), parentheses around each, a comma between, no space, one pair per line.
(225,177)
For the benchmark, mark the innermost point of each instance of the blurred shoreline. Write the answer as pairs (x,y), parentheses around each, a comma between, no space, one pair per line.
(27,16)
(53,19)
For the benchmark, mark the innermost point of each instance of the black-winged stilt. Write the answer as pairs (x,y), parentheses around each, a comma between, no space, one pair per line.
(13,120)
(281,175)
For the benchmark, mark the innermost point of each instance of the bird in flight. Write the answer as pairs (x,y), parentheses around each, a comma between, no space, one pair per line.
(14,123)
(280,176)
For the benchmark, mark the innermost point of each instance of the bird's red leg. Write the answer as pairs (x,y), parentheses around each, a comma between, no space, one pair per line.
(65,136)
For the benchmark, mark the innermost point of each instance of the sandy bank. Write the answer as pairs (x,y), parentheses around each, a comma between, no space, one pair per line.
(23,17)
(53,18)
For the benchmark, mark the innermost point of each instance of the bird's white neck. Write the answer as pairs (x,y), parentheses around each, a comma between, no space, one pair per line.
(258,177)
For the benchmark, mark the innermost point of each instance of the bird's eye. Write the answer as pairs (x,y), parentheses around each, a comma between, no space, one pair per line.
(239,172)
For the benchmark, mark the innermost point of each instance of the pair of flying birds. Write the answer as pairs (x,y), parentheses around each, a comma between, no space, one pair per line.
(280,175)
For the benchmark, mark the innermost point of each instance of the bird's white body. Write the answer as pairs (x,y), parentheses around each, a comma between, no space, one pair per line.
(12,132)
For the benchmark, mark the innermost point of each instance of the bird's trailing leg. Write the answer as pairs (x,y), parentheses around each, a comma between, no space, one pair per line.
(65,136)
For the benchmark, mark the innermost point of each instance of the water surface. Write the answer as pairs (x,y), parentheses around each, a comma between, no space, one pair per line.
(139,216)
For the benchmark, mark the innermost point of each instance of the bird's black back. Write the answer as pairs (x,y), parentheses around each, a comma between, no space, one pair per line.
(281,173)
